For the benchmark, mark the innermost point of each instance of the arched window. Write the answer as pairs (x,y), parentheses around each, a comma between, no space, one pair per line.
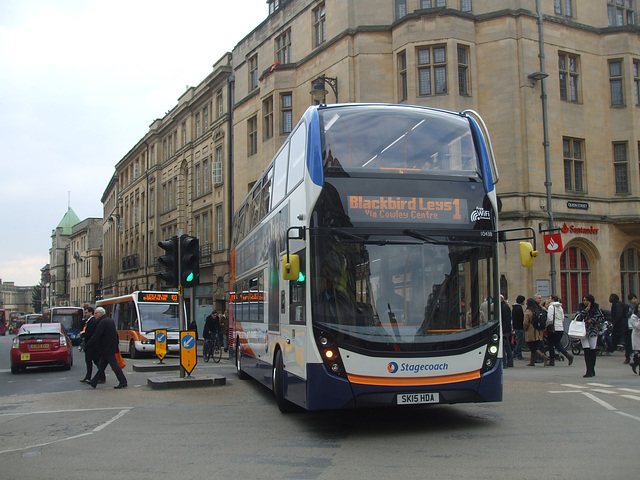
(629,272)
(574,277)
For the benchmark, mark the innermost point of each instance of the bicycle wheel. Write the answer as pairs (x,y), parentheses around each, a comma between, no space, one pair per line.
(206,351)
(217,352)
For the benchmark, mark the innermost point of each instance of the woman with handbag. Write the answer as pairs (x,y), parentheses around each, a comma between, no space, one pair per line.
(634,323)
(555,315)
(532,335)
(590,313)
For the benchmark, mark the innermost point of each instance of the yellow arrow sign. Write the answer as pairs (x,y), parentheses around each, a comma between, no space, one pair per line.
(188,356)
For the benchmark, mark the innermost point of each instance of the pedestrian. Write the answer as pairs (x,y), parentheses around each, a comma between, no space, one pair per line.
(619,318)
(538,298)
(505,313)
(590,313)
(517,318)
(634,321)
(91,355)
(211,330)
(105,340)
(628,343)
(555,315)
(224,327)
(532,335)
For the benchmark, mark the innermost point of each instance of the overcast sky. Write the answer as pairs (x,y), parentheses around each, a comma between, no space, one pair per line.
(80,83)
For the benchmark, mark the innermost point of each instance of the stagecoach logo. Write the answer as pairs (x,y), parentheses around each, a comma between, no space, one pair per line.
(480,214)
(392,367)
(416,368)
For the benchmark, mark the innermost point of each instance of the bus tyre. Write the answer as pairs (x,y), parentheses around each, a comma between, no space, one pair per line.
(284,405)
(241,374)
(133,353)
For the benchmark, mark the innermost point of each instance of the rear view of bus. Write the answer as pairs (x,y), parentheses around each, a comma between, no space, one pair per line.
(379,266)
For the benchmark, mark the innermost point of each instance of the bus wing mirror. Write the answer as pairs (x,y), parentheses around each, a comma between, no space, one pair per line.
(527,254)
(290,267)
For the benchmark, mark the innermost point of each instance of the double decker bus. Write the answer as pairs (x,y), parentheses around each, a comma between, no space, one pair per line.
(364,262)
(71,318)
(138,315)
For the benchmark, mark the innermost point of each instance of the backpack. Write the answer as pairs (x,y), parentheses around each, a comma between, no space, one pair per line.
(539,319)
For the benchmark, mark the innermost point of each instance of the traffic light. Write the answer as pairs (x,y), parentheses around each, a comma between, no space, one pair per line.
(169,261)
(189,261)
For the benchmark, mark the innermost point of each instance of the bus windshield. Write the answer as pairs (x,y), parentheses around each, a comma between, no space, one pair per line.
(155,316)
(400,289)
(395,139)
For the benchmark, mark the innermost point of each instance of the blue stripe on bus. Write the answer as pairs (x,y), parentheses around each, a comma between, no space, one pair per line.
(314,147)
(479,140)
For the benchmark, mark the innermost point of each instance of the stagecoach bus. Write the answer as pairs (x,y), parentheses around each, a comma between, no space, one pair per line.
(364,262)
(137,317)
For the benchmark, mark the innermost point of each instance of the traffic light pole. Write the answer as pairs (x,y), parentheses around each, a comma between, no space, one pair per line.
(180,295)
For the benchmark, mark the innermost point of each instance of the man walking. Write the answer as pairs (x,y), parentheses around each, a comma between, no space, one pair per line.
(91,355)
(105,340)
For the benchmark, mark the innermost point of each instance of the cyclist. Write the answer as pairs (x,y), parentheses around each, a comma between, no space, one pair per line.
(211,330)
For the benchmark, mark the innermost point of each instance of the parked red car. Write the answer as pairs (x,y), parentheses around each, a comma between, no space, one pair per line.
(41,344)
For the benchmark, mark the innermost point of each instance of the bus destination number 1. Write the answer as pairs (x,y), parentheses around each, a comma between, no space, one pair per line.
(416,398)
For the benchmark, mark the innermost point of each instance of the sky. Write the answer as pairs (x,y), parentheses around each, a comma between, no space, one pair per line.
(80,83)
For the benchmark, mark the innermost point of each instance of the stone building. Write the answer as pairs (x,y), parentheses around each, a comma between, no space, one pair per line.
(59,281)
(557,83)
(84,262)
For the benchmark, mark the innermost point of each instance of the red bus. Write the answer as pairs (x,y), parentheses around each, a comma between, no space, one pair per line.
(3,321)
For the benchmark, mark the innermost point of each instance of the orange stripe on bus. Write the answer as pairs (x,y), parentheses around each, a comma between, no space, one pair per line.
(404,381)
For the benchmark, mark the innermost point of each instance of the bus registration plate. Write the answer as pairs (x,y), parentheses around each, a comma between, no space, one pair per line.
(417,398)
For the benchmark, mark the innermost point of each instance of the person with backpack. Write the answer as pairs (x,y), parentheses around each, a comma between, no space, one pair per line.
(555,329)
(533,335)
(589,312)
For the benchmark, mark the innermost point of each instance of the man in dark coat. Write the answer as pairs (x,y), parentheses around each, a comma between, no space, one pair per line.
(91,356)
(105,340)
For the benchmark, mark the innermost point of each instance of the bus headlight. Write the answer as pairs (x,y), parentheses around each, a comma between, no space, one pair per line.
(329,352)
(493,349)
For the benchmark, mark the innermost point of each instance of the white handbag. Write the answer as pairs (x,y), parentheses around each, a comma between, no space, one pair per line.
(577,329)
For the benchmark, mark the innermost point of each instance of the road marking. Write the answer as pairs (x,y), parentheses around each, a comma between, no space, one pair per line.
(629,416)
(571,385)
(17,414)
(602,390)
(121,413)
(632,390)
(597,400)
(631,397)
(604,385)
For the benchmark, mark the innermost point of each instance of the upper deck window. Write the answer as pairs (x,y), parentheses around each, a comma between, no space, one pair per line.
(396,140)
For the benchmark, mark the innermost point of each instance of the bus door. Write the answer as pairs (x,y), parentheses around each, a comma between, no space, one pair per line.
(295,321)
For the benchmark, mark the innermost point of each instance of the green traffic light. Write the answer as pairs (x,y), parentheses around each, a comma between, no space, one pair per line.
(190,277)
(301,277)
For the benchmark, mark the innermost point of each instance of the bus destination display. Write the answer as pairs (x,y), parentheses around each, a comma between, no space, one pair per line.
(157,297)
(402,209)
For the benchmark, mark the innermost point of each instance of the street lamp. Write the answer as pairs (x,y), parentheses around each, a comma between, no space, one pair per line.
(535,76)
(318,92)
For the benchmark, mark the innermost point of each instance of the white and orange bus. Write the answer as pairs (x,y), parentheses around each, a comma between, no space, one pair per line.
(138,315)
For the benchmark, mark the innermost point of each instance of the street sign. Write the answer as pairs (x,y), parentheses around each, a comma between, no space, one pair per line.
(161,344)
(188,356)
(553,243)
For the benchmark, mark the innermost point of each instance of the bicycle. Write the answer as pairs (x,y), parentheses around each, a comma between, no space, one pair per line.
(212,349)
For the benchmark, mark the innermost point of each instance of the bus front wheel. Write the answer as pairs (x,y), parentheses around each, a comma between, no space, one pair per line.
(284,405)
(133,353)
(241,374)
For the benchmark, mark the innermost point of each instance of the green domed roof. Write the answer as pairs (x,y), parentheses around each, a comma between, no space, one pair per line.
(68,221)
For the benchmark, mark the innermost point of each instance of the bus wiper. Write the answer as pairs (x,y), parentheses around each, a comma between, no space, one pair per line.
(366,240)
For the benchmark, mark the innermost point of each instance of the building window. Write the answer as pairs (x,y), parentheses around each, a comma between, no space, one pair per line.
(629,272)
(319,25)
(568,71)
(198,126)
(620,166)
(574,277)
(432,70)
(283,48)
(563,7)
(152,202)
(267,115)
(219,104)
(401,8)
(438,3)
(205,176)
(220,227)
(253,73)
(205,117)
(615,82)
(184,134)
(171,148)
(217,167)
(466,5)
(636,81)
(620,12)
(205,228)
(463,70)
(572,150)
(170,195)
(198,181)
(402,76)
(286,109)
(252,135)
